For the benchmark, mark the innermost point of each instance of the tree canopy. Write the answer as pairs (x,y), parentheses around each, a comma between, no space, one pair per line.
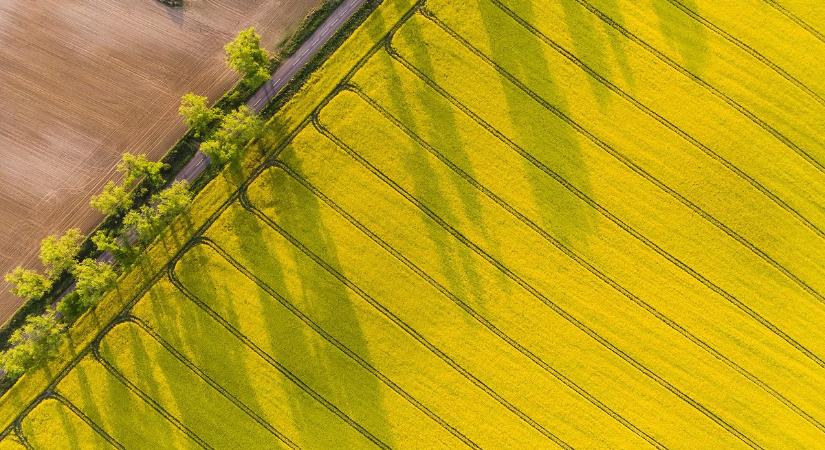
(246,57)
(32,343)
(197,114)
(172,201)
(137,167)
(93,279)
(107,241)
(163,207)
(237,129)
(116,198)
(113,200)
(58,253)
(28,284)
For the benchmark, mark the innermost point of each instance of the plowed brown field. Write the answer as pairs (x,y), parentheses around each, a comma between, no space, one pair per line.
(81,82)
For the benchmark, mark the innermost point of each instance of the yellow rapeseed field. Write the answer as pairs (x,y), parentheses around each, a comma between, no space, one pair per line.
(492,224)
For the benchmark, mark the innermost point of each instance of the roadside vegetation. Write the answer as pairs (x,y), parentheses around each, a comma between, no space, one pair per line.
(137,208)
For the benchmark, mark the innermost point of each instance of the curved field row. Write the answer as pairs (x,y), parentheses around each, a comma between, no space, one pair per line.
(454,313)
(265,389)
(361,322)
(53,425)
(286,334)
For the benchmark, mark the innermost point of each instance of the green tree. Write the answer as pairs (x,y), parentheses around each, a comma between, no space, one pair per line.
(32,343)
(237,129)
(163,207)
(70,307)
(171,201)
(215,151)
(245,56)
(116,198)
(93,279)
(137,167)
(140,222)
(28,284)
(58,253)
(113,200)
(197,114)
(108,242)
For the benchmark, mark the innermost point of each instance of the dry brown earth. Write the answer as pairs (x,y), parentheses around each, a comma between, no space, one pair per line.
(82,81)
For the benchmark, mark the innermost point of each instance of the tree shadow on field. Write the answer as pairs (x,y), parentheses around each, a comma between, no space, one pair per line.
(593,43)
(448,198)
(201,337)
(684,34)
(554,143)
(323,299)
(591,37)
(66,433)
(223,363)
(86,400)
(152,374)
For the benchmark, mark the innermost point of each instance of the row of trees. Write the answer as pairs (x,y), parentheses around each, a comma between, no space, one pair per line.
(40,334)
(223,136)
(234,129)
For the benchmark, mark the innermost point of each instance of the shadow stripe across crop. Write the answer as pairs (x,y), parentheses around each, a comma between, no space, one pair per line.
(675,66)
(406,327)
(608,214)
(656,116)
(587,265)
(549,303)
(88,420)
(469,310)
(272,361)
(209,381)
(632,165)
(336,343)
(152,403)
(747,48)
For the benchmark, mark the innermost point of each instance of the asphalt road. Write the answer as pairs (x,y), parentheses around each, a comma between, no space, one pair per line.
(286,71)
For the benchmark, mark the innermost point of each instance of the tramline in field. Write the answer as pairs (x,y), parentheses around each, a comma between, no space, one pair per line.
(494,224)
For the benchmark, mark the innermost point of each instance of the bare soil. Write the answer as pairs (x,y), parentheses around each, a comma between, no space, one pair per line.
(83,81)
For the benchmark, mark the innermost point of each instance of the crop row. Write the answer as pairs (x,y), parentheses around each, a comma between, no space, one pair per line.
(356,192)
(405,346)
(803,273)
(675,240)
(453,278)
(438,59)
(487,145)
(383,140)
(492,295)
(547,235)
